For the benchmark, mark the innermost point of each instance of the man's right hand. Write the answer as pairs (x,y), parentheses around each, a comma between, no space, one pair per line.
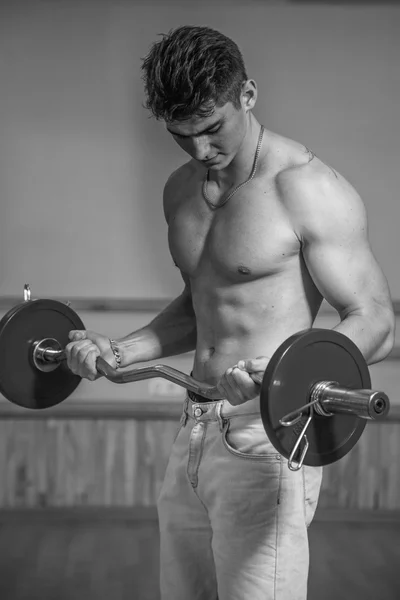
(83,350)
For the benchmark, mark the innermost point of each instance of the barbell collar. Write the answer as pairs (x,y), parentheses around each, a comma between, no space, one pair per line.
(328,398)
(335,399)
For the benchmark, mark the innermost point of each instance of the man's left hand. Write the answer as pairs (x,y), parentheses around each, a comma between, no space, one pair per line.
(241,383)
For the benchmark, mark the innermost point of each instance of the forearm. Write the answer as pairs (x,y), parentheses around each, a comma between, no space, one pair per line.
(372,333)
(172,332)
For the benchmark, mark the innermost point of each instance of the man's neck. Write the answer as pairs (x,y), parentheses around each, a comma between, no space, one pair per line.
(240,167)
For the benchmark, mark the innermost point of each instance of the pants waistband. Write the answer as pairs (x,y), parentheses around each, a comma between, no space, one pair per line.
(196,397)
(210,410)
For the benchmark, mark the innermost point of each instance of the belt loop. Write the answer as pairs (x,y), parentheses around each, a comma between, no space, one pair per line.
(184,416)
(221,421)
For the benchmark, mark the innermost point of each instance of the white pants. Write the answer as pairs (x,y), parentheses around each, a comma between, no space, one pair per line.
(233,518)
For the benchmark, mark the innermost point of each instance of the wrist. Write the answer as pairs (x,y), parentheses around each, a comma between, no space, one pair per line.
(140,346)
(117,353)
(127,350)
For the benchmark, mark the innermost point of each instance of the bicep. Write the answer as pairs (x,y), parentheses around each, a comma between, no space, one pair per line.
(346,272)
(336,249)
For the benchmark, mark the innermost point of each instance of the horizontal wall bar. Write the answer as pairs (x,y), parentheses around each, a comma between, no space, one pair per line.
(105,409)
(111,409)
(96,304)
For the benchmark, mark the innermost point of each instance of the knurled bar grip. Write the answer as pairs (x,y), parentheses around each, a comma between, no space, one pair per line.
(329,398)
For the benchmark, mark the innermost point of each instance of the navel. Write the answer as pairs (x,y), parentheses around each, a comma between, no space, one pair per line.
(244,270)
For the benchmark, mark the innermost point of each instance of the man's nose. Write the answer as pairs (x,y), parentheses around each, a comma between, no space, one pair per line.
(201,148)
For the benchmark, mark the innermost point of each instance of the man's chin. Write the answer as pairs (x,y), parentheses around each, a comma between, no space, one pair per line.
(217,164)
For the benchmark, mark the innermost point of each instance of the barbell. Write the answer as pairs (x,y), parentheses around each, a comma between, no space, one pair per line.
(315,396)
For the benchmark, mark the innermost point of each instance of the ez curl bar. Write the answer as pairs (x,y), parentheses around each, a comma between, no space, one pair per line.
(315,396)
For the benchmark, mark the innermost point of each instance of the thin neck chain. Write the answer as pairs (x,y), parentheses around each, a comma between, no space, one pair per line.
(238,187)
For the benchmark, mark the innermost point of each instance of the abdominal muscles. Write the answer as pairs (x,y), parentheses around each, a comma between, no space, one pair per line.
(249,319)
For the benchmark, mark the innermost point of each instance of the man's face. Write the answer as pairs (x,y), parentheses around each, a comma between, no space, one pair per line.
(215,140)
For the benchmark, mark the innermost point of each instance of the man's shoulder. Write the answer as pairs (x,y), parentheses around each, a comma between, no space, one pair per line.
(313,184)
(176,184)
(305,171)
(317,197)
(295,167)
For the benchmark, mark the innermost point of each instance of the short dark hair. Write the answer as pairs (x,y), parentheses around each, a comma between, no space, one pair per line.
(190,72)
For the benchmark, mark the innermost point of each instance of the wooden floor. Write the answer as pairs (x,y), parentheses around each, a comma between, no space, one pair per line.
(74,561)
(354,561)
(117,559)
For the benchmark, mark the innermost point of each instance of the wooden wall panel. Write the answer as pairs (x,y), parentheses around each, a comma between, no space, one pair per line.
(367,477)
(121,463)
(83,462)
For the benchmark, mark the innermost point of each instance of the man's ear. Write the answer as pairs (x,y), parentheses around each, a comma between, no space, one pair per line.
(249,94)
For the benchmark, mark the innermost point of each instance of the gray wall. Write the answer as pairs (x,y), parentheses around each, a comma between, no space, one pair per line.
(82,167)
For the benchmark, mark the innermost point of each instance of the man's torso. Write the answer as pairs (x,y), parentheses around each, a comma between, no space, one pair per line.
(250,287)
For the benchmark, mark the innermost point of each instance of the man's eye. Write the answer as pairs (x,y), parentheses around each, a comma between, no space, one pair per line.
(184,137)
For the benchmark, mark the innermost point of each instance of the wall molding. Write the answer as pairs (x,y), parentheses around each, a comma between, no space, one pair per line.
(147,305)
(95,409)
(97,304)
(117,409)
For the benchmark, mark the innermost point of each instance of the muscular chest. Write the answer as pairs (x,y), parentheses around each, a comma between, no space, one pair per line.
(251,236)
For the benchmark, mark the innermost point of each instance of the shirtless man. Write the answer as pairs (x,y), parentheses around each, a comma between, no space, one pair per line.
(262,231)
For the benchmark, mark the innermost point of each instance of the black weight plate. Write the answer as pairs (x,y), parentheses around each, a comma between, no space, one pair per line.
(20,381)
(301,361)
